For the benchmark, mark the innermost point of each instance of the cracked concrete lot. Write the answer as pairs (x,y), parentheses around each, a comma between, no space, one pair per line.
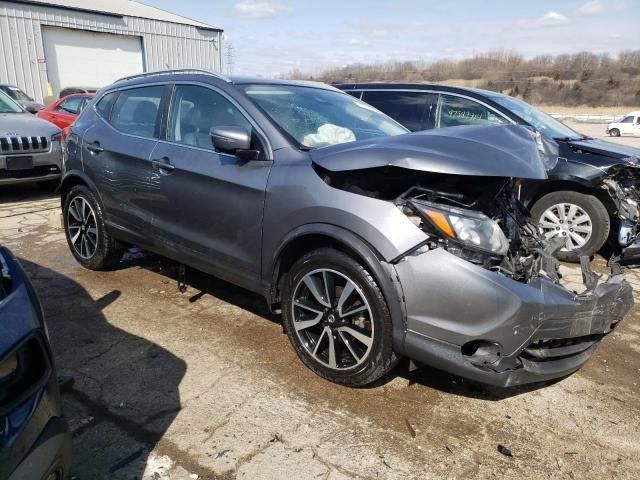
(205,385)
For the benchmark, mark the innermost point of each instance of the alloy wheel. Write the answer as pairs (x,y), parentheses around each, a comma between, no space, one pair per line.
(568,221)
(332,319)
(82,227)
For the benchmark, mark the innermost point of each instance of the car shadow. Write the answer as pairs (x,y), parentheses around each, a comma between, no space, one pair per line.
(28,191)
(448,383)
(252,302)
(125,393)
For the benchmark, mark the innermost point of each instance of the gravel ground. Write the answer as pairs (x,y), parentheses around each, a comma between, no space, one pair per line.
(205,385)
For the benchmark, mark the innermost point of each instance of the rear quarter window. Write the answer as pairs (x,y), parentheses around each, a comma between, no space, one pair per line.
(103,107)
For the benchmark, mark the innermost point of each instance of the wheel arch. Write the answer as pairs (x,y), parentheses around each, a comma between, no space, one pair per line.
(74,178)
(551,186)
(313,236)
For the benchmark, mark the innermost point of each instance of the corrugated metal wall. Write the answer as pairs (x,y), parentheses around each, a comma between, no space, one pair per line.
(166,45)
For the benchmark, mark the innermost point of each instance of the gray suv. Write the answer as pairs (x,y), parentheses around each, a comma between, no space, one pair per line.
(30,148)
(374,243)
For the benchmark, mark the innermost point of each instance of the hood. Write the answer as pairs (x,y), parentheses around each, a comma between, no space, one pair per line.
(602,147)
(25,125)
(491,151)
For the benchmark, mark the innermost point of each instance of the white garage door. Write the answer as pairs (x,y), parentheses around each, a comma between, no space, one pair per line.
(77,58)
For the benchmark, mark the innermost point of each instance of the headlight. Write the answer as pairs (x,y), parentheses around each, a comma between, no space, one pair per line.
(470,228)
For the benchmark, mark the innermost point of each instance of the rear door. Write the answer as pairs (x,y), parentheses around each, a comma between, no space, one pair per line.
(414,110)
(209,205)
(117,157)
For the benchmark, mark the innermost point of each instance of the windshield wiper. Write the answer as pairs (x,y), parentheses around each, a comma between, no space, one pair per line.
(568,139)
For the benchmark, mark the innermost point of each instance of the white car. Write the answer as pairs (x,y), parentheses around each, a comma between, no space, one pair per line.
(629,125)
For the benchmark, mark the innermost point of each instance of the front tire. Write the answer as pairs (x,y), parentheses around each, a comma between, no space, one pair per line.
(614,132)
(581,219)
(337,319)
(84,228)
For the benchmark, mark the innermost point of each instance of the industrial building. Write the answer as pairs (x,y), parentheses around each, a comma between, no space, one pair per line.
(48,45)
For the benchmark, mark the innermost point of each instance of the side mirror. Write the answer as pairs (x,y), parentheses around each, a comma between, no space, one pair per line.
(233,139)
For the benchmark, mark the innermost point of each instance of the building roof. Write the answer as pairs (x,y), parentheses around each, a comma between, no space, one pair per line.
(127,8)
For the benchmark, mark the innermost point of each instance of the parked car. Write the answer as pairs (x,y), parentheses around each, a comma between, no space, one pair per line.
(584,201)
(65,111)
(30,149)
(35,442)
(629,125)
(374,243)
(65,92)
(28,103)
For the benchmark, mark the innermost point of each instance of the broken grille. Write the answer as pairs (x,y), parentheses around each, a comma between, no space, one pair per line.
(23,144)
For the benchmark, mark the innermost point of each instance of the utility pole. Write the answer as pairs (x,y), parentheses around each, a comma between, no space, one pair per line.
(229,57)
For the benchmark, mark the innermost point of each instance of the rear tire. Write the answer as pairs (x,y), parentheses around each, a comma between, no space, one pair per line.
(84,228)
(614,132)
(598,218)
(357,328)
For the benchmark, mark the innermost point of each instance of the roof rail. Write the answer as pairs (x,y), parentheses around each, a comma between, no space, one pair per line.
(177,70)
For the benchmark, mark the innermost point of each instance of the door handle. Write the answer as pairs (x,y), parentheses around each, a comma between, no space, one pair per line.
(95,148)
(164,165)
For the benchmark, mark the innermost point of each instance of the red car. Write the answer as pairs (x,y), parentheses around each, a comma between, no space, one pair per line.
(64,112)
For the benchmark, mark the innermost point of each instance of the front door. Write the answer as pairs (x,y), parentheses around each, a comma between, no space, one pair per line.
(209,205)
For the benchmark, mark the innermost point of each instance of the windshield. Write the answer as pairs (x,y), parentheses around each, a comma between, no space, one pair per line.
(317,118)
(18,94)
(7,105)
(545,124)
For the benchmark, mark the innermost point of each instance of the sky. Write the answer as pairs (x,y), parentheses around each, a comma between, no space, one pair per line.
(270,38)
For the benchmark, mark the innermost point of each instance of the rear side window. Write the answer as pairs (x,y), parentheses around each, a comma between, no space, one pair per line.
(104,105)
(136,111)
(454,111)
(411,109)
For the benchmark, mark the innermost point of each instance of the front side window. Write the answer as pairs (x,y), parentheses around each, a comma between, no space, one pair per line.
(71,105)
(7,105)
(136,111)
(627,120)
(195,110)
(454,111)
(411,109)
(317,117)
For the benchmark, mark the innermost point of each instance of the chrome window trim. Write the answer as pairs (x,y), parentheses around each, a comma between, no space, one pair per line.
(181,82)
(439,92)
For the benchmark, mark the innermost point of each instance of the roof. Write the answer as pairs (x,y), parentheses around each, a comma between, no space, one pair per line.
(414,86)
(121,8)
(240,80)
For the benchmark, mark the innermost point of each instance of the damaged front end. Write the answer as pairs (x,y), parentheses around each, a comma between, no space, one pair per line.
(622,182)
(481,293)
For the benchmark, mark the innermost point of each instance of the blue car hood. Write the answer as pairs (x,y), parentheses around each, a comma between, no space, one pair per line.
(489,151)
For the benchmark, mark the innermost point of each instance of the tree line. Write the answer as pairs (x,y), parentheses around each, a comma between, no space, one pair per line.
(576,79)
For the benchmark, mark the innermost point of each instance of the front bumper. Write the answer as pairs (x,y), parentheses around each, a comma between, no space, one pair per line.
(50,456)
(484,326)
(46,166)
